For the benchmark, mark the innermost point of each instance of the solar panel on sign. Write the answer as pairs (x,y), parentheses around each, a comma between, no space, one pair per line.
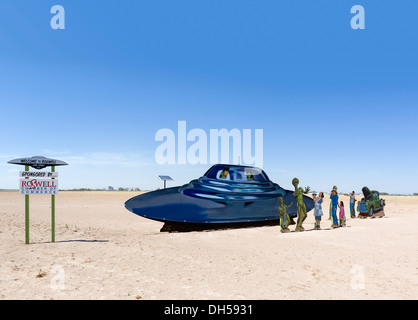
(168,178)
(165,179)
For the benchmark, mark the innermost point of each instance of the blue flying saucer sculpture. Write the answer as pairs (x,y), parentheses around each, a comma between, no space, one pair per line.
(226,196)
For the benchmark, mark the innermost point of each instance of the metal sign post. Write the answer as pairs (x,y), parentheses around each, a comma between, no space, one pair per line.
(31,185)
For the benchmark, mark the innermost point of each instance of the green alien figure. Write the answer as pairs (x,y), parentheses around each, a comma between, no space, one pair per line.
(284,217)
(302,213)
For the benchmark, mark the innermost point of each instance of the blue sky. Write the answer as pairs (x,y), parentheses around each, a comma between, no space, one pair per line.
(337,106)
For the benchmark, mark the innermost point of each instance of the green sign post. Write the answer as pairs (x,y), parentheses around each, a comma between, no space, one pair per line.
(33,184)
(27,213)
(53,212)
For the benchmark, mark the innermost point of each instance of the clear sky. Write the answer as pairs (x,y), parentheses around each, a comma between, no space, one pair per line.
(337,106)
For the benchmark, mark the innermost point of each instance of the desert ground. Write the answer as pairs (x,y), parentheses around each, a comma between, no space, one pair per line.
(103,251)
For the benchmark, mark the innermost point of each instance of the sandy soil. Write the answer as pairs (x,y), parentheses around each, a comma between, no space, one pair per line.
(102,251)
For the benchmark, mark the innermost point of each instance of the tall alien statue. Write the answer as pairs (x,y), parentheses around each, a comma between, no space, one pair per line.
(298,194)
(284,217)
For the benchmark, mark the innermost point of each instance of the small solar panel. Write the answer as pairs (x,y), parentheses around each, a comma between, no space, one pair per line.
(167,178)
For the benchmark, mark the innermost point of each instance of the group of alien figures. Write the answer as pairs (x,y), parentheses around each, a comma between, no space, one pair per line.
(285,220)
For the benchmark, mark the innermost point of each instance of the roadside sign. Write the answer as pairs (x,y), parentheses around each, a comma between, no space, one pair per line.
(38,174)
(32,183)
(38,186)
(38,162)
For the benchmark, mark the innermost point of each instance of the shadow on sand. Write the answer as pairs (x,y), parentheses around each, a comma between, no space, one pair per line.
(74,240)
(189,227)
